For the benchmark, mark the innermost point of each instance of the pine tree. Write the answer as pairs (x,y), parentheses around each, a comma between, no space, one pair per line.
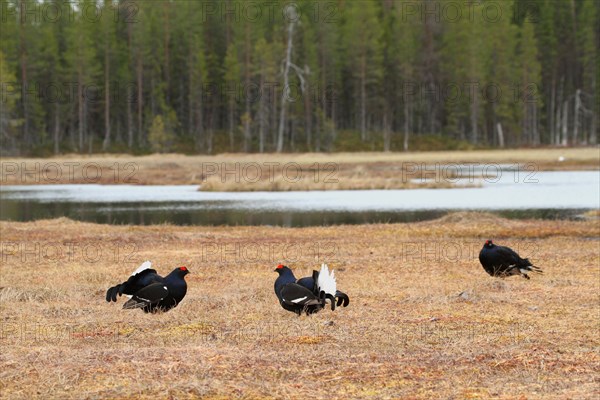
(9,115)
(229,90)
(362,38)
(501,86)
(588,39)
(84,69)
(530,78)
(463,56)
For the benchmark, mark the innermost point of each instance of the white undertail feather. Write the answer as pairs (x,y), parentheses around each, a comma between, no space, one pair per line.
(145,265)
(326,281)
(298,300)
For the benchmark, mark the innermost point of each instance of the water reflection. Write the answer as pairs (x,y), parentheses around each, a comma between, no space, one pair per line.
(564,194)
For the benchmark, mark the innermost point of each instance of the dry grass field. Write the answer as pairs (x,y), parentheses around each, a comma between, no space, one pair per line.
(272,172)
(425,321)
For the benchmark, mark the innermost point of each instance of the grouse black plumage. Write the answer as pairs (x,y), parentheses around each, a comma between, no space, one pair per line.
(150,291)
(501,261)
(310,294)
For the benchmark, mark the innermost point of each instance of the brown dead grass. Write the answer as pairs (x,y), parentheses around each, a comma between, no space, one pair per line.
(339,176)
(351,170)
(424,321)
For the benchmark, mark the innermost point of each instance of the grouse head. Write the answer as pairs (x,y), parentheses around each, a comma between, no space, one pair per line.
(281,269)
(489,244)
(181,272)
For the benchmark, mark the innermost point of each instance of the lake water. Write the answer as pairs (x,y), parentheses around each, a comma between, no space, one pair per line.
(563,194)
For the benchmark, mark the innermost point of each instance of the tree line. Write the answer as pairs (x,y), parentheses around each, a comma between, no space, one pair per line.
(213,76)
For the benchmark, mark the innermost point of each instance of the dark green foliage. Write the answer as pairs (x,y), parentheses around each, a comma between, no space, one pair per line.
(364,75)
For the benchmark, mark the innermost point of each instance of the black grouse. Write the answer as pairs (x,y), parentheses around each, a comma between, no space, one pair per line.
(501,261)
(308,294)
(150,291)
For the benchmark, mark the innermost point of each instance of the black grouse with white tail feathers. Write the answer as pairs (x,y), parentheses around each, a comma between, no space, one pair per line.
(150,291)
(310,294)
(501,261)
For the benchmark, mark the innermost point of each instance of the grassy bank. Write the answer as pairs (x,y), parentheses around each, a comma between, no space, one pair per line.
(306,171)
(424,321)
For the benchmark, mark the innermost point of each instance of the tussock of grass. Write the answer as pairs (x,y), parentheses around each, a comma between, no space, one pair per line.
(193,328)
(345,177)
(592,214)
(310,339)
(406,334)
(10,294)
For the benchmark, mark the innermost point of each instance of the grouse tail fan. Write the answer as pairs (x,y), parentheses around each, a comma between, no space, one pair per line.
(145,265)
(342,298)
(529,268)
(327,285)
(121,288)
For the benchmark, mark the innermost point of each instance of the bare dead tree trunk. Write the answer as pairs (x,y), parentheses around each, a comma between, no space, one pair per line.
(200,126)
(536,131)
(556,138)
(286,82)
(129,118)
(167,39)
(199,123)
(500,134)
(551,110)
(247,119)
(140,100)
(524,122)
(88,136)
(192,89)
(474,118)
(564,121)
(230,122)
(129,92)
(210,128)
(286,89)
(333,133)
(386,130)
(406,124)
(80,101)
(576,117)
(273,123)
(558,111)
(363,100)
(106,142)
(318,127)
(24,82)
(56,128)
(308,121)
(261,115)
(247,133)
(191,106)
(72,130)
(595,111)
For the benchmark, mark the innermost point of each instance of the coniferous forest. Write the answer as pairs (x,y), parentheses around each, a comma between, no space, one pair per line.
(277,76)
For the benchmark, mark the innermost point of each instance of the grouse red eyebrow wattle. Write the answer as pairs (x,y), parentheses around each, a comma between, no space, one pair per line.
(280,266)
(183,268)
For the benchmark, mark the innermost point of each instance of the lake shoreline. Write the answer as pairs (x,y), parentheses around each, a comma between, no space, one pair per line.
(293,172)
(512,193)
